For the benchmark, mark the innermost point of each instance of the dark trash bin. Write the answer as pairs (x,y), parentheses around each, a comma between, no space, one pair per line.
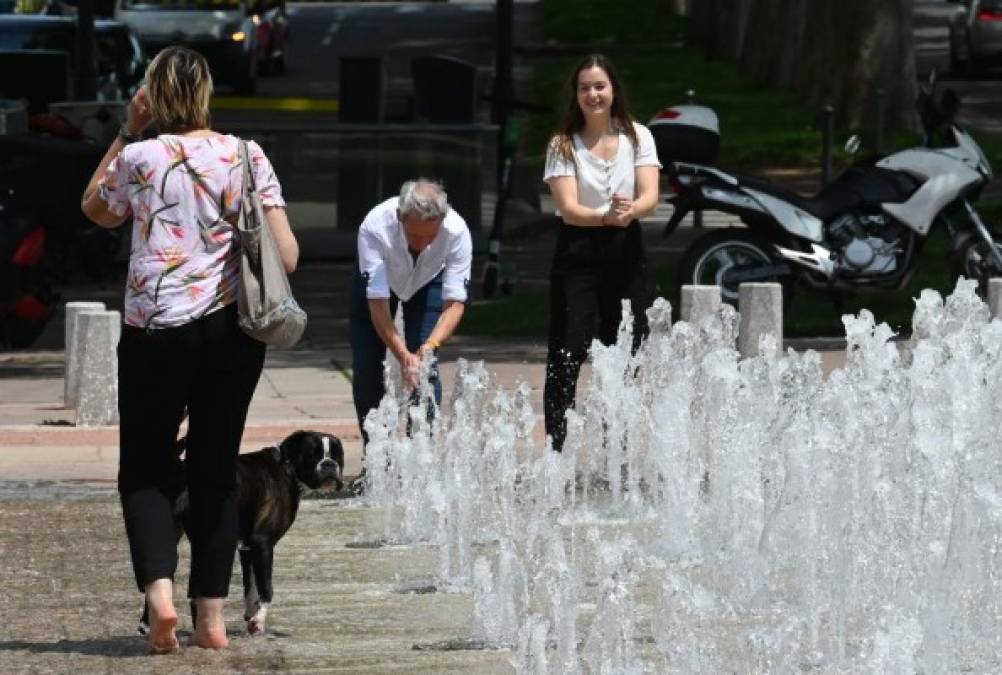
(361,90)
(362,97)
(445,90)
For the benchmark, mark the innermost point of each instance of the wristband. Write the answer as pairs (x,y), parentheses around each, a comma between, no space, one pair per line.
(435,344)
(124,134)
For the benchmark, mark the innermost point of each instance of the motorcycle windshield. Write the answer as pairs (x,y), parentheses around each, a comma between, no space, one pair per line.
(971,152)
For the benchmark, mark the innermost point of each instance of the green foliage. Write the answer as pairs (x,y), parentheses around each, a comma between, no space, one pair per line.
(522,315)
(590,22)
(759,126)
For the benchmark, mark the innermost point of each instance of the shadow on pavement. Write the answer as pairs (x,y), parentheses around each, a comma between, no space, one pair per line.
(118,645)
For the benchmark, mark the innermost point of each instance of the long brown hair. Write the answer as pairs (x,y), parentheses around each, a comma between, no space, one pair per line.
(572,121)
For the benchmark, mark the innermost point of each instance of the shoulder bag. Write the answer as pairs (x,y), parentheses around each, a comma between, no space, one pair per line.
(266,309)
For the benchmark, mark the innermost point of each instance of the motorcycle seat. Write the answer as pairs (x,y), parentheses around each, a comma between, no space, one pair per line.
(855,188)
(824,206)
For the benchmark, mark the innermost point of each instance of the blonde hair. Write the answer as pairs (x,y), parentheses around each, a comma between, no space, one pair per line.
(178,89)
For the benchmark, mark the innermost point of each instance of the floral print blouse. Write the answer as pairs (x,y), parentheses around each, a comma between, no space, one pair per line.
(184,194)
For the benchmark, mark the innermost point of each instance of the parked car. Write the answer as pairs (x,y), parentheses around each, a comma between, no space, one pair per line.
(120,58)
(975,35)
(272,33)
(238,39)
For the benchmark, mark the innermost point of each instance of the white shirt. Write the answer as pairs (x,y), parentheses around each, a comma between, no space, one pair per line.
(599,179)
(386,263)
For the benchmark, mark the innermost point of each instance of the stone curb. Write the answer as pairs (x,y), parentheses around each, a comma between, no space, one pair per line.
(271,432)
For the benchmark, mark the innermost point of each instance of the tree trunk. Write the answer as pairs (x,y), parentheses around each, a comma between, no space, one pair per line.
(764,44)
(839,53)
(700,30)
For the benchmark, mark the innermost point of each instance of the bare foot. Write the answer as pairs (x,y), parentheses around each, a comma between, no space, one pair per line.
(210,629)
(163,617)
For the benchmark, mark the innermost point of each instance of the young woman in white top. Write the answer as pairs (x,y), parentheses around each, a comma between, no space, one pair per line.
(602,168)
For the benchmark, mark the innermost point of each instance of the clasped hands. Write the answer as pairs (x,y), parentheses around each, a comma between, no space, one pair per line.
(620,211)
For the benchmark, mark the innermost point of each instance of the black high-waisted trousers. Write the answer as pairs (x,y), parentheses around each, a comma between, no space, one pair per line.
(209,367)
(594,270)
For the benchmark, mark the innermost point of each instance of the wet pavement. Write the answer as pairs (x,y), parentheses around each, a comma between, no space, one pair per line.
(68,601)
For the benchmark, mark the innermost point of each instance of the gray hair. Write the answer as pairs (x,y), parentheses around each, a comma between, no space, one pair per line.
(423,198)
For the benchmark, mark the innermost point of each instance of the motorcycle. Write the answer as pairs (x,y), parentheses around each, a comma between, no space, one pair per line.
(27,300)
(861,232)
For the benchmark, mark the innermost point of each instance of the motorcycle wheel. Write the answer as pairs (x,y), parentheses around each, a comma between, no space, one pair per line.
(708,258)
(974,260)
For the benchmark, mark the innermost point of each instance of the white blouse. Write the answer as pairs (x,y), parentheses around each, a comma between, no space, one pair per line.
(598,179)
(387,265)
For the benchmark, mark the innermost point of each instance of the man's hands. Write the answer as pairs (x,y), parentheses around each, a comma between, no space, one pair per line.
(412,364)
(410,368)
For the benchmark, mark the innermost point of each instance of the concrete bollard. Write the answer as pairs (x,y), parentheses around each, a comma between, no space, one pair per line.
(71,350)
(761,309)
(699,302)
(97,398)
(995,297)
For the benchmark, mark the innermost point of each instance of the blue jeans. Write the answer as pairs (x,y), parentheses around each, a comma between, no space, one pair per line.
(368,352)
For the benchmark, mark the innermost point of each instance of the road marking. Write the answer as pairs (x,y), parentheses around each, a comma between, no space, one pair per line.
(285,104)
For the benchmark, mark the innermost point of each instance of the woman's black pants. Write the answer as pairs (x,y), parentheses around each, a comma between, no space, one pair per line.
(209,368)
(594,270)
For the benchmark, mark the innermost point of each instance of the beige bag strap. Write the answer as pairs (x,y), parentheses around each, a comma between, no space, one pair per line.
(248,185)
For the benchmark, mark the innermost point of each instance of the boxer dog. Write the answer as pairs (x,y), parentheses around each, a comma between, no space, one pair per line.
(268,492)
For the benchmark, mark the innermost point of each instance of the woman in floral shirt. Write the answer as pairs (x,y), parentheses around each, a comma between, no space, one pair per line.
(181,349)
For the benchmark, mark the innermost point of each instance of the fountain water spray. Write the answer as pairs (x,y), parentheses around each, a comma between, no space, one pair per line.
(717,514)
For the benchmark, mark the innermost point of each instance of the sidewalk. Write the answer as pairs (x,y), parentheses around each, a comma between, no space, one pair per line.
(299,389)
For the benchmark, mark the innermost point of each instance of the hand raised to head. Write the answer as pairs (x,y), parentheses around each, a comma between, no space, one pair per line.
(138,115)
